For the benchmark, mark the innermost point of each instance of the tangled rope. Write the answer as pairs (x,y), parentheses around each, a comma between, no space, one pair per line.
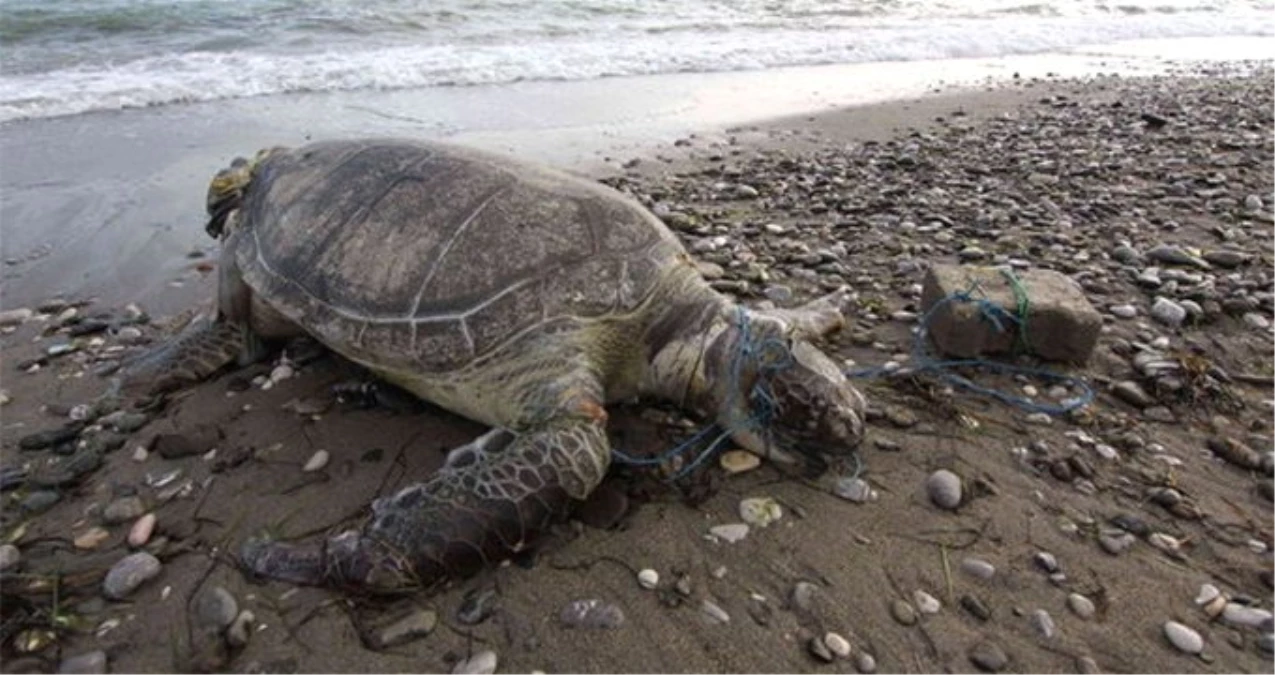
(773,356)
(1000,318)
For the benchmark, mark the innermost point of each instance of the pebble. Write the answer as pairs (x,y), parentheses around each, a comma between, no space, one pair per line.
(760,511)
(593,614)
(1168,312)
(477,606)
(730,533)
(819,649)
(1241,615)
(1083,607)
(989,656)
(1046,561)
(977,567)
(1044,623)
(1257,321)
(1266,643)
(13,317)
(88,663)
(903,612)
(944,488)
(838,645)
(926,603)
(176,446)
(216,608)
(1124,311)
(123,510)
(865,662)
(1087,665)
(130,573)
(648,578)
(1115,542)
(714,612)
(739,461)
(414,625)
(482,663)
(141,531)
(1183,637)
(39,500)
(1207,593)
(977,608)
(317,461)
(10,556)
(91,538)
(854,489)
(240,629)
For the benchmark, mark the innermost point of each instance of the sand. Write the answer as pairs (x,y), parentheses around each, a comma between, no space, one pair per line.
(861,557)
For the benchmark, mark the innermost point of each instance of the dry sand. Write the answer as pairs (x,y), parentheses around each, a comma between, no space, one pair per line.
(859,557)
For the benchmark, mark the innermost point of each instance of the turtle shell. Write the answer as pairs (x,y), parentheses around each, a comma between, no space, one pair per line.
(421,257)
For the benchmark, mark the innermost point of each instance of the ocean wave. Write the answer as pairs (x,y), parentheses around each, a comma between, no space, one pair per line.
(245,72)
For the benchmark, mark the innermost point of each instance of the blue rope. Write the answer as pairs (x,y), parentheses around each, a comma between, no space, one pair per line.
(773,356)
(999,317)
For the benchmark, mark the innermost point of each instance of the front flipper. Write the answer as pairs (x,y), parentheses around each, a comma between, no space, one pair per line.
(192,356)
(472,514)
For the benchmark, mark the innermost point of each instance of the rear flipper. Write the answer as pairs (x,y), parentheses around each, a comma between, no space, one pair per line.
(470,515)
(192,356)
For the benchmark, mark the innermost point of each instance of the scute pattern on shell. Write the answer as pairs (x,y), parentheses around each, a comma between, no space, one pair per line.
(425,257)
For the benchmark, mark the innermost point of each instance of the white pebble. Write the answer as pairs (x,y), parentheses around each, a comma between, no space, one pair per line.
(978,567)
(1082,606)
(926,603)
(732,533)
(760,511)
(1206,594)
(317,461)
(141,531)
(281,372)
(482,663)
(1183,637)
(1241,615)
(140,453)
(837,645)
(648,578)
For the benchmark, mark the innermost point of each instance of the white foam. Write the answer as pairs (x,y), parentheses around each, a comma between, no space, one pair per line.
(203,76)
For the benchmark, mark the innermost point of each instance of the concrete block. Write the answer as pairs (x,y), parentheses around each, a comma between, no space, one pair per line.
(1061,324)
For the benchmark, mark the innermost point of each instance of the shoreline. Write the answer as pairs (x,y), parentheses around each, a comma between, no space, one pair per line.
(109,204)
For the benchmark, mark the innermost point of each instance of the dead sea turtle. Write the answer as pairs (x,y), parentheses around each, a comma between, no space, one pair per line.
(515,295)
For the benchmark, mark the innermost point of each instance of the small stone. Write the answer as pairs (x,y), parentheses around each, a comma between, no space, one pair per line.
(10,556)
(124,421)
(216,608)
(977,567)
(926,603)
(477,606)
(240,630)
(141,531)
(731,533)
(944,488)
(803,595)
(1183,637)
(13,317)
(1206,595)
(865,662)
(130,573)
(317,461)
(819,649)
(977,608)
(1115,542)
(1168,312)
(1083,607)
(648,578)
(1241,615)
(760,511)
(123,510)
(1043,623)
(91,538)
(195,442)
(989,657)
(89,663)
(1046,561)
(414,625)
(903,612)
(1257,320)
(482,663)
(714,612)
(838,645)
(591,614)
(1124,311)
(739,461)
(1087,666)
(854,489)
(39,501)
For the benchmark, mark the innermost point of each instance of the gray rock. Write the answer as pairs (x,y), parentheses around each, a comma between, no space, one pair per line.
(978,568)
(1132,393)
(903,612)
(130,573)
(1116,542)
(713,611)
(1083,607)
(1063,326)
(976,607)
(414,625)
(854,489)
(1183,637)
(39,501)
(1046,561)
(1124,311)
(865,662)
(1126,254)
(988,656)
(10,556)
(216,608)
(803,596)
(240,630)
(591,614)
(1168,312)
(819,649)
(1043,623)
(13,317)
(482,663)
(89,663)
(1266,643)
(944,489)
(1226,259)
(778,293)
(1175,255)
(1257,320)
(123,510)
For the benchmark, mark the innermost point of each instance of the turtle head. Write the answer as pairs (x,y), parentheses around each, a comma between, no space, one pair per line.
(779,393)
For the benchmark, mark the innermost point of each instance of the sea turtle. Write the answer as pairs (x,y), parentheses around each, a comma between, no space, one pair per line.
(516,295)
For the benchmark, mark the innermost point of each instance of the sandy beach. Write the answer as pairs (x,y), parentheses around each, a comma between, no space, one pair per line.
(1128,506)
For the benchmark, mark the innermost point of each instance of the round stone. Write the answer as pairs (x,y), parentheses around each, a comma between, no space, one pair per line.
(592,614)
(838,645)
(926,603)
(648,578)
(1046,561)
(240,629)
(1184,638)
(1044,623)
(141,531)
(124,509)
(944,488)
(482,663)
(865,662)
(977,567)
(1168,312)
(760,511)
(819,650)
(317,461)
(989,657)
(1124,311)
(903,612)
(739,461)
(1083,607)
(130,573)
(216,608)
(91,538)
